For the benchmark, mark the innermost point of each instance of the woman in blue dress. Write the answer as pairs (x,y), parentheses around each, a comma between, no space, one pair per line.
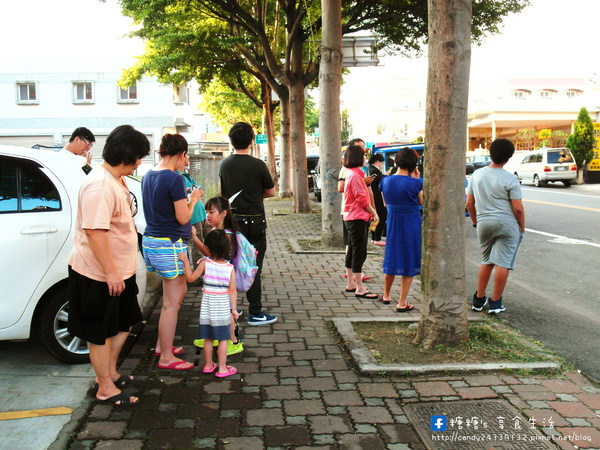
(403,194)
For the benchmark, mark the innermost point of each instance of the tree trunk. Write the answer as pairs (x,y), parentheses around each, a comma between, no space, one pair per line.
(284,159)
(330,122)
(270,130)
(297,141)
(444,309)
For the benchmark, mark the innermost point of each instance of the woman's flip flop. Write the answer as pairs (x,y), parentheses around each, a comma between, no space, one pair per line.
(368,295)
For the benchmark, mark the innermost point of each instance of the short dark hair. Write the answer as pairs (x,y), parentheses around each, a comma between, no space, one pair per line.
(82,133)
(218,244)
(355,141)
(354,156)
(241,135)
(376,157)
(125,145)
(407,159)
(501,150)
(172,145)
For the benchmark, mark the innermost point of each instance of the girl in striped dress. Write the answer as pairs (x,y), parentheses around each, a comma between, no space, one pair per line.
(219,300)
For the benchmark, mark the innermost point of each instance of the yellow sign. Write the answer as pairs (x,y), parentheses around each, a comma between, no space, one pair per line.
(595,162)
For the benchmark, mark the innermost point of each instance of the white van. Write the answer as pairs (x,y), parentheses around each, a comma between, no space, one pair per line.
(513,163)
(547,165)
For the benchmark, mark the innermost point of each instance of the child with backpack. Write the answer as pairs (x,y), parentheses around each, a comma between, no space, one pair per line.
(219,300)
(243,255)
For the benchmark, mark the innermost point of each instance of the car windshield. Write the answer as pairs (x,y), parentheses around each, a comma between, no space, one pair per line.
(562,156)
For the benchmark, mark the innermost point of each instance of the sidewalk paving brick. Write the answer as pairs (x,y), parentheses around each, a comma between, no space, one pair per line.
(295,386)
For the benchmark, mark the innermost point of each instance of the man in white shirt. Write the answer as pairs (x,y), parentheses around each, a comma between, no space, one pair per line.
(80,144)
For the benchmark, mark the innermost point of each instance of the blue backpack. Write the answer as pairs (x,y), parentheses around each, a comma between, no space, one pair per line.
(244,263)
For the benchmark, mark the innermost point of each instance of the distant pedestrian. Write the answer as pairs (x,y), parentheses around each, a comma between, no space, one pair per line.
(168,211)
(219,300)
(495,205)
(246,181)
(403,195)
(341,185)
(357,214)
(375,168)
(103,263)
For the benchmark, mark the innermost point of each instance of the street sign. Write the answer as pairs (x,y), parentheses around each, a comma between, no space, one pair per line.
(261,139)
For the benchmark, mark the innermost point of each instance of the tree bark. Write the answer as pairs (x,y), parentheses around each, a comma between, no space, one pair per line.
(270,130)
(297,140)
(444,309)
(330,73)
(285,166)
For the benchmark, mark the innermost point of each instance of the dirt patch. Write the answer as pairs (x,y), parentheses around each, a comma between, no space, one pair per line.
(489,341)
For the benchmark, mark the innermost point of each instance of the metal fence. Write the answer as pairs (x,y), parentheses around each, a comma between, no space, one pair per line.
(204,168)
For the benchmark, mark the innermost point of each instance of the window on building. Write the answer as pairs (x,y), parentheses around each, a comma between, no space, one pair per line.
(547,94)
(181,94)
(83,92)
(128,95)
(27,92)
(521,94)
(573,93)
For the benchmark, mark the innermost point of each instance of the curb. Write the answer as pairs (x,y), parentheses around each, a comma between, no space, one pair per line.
(368,365)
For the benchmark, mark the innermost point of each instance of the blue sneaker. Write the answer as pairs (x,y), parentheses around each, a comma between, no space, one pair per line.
(261,319)
(478,302)
(496,307)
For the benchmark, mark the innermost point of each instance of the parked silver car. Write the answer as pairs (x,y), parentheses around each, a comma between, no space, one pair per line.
(38,209)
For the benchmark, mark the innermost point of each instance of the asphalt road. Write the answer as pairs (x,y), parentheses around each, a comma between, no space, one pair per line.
(552,295)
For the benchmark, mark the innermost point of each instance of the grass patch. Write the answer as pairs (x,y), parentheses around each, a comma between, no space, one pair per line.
(489,341)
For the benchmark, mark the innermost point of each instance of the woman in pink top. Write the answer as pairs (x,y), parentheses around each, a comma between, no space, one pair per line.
(357,214)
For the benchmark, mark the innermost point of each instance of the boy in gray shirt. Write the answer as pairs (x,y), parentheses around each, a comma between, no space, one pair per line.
(495,205)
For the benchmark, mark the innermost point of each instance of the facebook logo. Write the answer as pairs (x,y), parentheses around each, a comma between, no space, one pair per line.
(438,423)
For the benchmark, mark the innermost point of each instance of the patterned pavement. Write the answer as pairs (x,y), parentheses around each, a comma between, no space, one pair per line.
(296,388)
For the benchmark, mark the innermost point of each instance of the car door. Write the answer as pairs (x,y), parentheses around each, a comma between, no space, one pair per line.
(35,219)
(526,168)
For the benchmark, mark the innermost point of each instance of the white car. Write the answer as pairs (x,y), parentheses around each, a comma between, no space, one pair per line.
(38,209)
(547,165)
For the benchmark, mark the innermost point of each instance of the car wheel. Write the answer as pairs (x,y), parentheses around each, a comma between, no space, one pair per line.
(537,182)
(567,183)
(53,325)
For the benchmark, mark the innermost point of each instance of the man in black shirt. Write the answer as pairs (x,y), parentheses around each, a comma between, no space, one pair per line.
(245,180)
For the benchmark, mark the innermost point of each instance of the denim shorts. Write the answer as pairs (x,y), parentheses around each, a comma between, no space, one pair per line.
(160,255)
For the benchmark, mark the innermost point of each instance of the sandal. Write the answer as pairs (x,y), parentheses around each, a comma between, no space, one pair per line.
(122,399)
(230,371)
(211,370)
(384,301)
(368,295)
(409,307)
(176,365)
